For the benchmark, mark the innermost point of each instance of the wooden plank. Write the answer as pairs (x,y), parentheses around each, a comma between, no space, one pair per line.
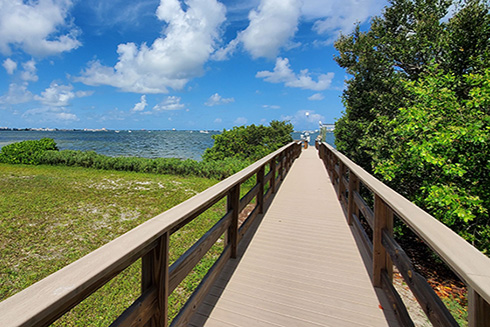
(261,185)
(247,198)
(233,207)
(432,305)
(466,261)
(367,212)
(268,177)
(273,169)
(268,194)
(197,297)
(353,187)
(279,281)
(140,312)
(478,310)
(364,237)
(382,219)
(186,262)
(399,308)
(247,223)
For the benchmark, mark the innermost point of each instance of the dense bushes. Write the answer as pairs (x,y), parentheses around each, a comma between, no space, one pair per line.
(249,142)
(45,152)
(26,152)
(417,108)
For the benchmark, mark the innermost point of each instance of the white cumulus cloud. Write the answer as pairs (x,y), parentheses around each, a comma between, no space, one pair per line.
(58,95)
(283,73)
(316,97)
(9,65)
(29,73)
(331,18)
(170,61)
(217,99)
(140,106)
(35,27)
(271,27)
(16,94)
(49,115)
(170,103)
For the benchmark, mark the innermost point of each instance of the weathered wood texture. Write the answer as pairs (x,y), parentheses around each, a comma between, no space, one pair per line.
(467,262)
(301,268)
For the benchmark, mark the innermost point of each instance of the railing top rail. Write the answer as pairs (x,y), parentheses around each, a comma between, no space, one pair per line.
(472,266)
(63,288)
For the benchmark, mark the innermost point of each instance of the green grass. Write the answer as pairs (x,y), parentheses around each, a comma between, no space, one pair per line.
(51,216)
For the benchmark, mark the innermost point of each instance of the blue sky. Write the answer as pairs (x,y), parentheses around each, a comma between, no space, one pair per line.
(163,64)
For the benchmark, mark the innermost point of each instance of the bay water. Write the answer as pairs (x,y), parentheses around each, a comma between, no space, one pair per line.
(138,143)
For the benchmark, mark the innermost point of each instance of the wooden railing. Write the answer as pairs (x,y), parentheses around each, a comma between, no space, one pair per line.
(47,300)
(467,262)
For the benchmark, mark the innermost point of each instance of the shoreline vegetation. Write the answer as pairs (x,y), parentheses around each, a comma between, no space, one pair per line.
(57,206)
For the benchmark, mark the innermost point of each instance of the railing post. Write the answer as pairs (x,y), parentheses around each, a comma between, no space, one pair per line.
(260,182)
(281,166)
(287,160)
(478,310)
(383,219)
(341,187)
(353,188)
(155,274)
(233,205)
(273,172)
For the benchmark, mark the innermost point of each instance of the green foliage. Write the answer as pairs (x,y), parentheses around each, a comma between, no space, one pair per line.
(249,143)
(434,150)
(26,152)
(90,159)
(441,152)
(406,39)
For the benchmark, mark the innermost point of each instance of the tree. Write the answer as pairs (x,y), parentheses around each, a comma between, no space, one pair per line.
(249,142)
(434,150)
(397,48)
(441,152)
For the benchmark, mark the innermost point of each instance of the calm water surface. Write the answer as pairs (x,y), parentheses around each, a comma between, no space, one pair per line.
(148,144)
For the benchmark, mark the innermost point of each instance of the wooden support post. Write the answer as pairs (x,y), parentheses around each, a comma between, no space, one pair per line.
(233,205)
(273,179)
(389,229)
(260,182)
(281,166)
(353,187)
(287,161)
(478,310)
(155,274)
(340,186)
(383,219)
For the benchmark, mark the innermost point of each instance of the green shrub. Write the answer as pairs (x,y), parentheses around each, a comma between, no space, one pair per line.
(249,142)
(26,152)
(217,169)
(44,151)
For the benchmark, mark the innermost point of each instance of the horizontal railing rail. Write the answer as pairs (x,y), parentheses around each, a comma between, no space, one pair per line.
(463,259)
(45,301)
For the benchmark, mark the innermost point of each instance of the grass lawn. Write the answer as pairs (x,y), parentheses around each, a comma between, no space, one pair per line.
(51,216)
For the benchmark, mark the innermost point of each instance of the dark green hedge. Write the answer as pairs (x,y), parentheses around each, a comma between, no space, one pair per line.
(26,152)
(44,151)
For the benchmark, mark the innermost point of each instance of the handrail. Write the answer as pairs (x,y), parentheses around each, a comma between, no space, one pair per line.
(47,300)
(466,261)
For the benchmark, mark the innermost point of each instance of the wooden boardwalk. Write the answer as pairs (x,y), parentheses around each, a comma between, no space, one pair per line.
(299,266)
